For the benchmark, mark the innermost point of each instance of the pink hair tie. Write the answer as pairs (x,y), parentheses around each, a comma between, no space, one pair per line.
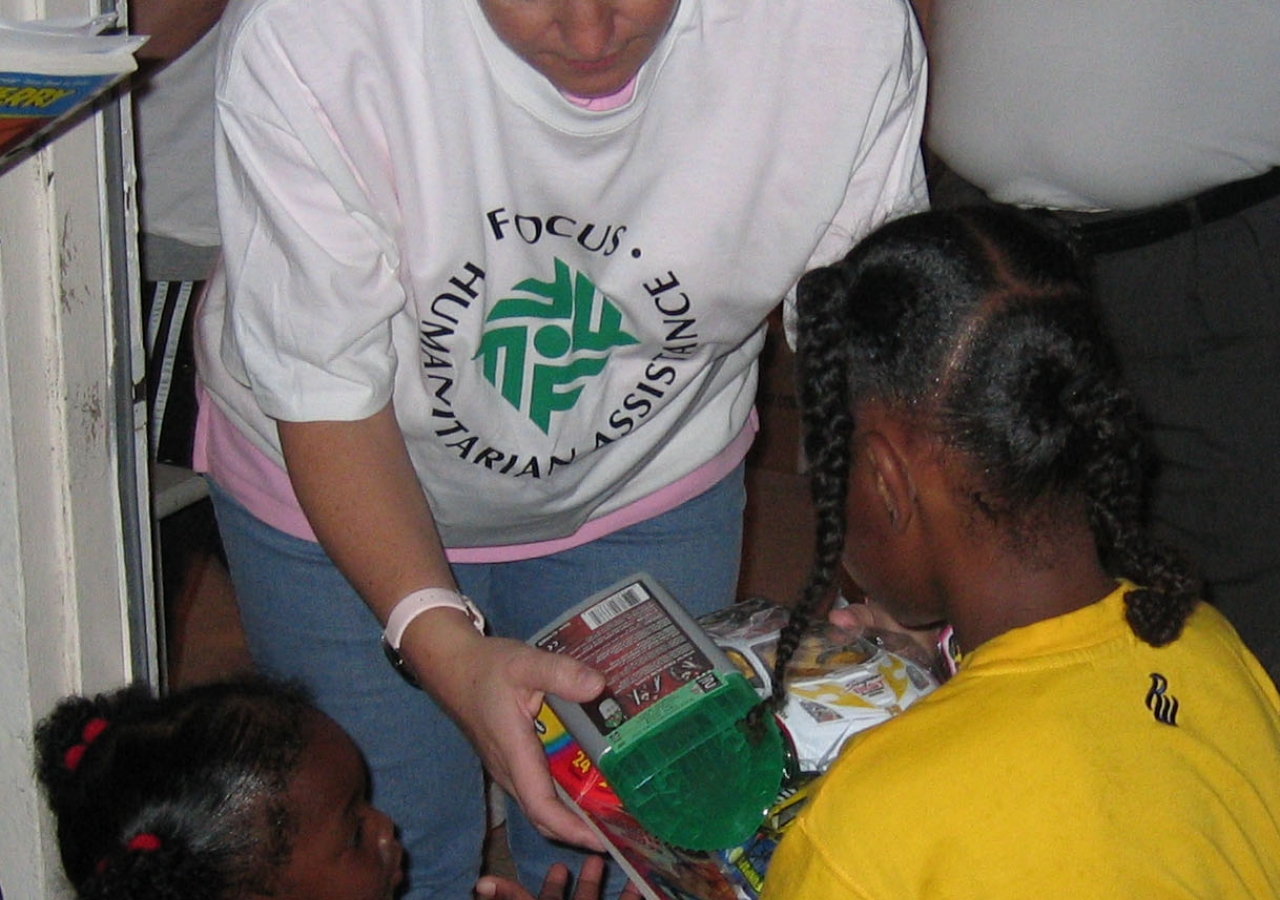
(146,842)
(143,842)
(91,732)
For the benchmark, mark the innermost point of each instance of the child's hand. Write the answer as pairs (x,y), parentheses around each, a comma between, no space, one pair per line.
(870,615)
(587,887)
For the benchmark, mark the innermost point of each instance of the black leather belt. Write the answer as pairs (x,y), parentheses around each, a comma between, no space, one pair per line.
(1114,232)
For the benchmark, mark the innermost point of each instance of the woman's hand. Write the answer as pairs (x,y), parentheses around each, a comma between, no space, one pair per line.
(493,688)
(361,494)
(587,887)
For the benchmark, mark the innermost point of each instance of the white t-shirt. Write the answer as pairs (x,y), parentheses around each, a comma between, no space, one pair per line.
(566,304)
(1086,104)
(173,118)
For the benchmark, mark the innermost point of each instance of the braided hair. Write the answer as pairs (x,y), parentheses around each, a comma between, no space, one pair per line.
(980,322)
(173,798)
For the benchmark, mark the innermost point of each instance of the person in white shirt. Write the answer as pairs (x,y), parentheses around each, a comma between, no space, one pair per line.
(172,97)
(496,274)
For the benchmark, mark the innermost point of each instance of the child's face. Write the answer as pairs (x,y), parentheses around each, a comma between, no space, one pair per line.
(343,849)
(589,48)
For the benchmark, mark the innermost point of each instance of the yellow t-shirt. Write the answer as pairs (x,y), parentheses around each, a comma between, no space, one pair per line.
(1066,759)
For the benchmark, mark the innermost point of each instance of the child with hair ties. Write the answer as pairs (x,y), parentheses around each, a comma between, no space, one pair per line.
(227,791)
(977,460)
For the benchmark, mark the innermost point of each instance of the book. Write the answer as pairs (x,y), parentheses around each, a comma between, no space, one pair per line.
(838,682)
(662,871)
(50,70)
(843,682)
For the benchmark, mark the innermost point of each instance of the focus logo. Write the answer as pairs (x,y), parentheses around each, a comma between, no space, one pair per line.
(542,343)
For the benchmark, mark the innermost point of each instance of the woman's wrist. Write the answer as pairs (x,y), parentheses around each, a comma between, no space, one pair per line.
(414,605)
(421,601)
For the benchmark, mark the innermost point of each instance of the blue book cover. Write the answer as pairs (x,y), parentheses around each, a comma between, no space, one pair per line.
(49,70)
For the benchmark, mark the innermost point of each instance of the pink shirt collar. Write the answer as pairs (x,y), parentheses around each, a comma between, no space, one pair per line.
(604,104)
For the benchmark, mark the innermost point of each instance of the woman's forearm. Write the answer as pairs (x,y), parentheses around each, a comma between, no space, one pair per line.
(362,497)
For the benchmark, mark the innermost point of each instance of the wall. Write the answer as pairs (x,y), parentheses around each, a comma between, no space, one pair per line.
(73,590)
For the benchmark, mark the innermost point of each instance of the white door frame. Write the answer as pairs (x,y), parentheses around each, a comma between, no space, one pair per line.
(76,583)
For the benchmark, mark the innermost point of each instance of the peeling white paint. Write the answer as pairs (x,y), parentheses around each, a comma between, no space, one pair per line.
(63,597)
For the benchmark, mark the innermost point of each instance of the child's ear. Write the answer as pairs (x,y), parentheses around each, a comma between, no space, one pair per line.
(891,477)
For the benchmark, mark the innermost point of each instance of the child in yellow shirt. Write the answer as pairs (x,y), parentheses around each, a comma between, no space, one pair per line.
(977,460)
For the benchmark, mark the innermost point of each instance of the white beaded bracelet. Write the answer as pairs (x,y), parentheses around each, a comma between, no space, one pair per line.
(414,605)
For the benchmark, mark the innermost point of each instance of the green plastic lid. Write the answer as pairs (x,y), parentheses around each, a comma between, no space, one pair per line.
(700,768)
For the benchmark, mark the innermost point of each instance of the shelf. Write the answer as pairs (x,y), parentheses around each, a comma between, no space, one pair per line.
(175,488)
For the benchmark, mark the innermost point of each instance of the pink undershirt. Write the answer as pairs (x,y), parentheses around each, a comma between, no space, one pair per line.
(263,488)
(606,103)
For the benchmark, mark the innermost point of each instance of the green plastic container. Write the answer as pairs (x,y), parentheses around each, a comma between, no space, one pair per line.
(679,733)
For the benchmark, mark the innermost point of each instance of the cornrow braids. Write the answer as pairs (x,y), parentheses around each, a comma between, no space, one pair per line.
(849,347)
(173,797)
(1036,400)
(980,321)
(827,426)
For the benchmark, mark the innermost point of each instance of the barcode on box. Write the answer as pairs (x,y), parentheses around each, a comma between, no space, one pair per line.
(614,605)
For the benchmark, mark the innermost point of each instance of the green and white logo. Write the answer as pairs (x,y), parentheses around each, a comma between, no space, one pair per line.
(541,344)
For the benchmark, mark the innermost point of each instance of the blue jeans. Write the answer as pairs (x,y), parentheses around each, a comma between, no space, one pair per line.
(303,620)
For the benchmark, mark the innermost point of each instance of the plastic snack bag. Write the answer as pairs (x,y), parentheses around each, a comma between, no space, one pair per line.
(838,683)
